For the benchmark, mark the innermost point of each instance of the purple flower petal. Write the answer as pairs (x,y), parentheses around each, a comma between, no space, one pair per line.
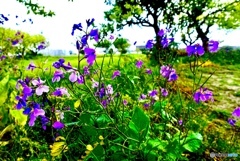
(139,63)
(231,122)
(213,46)
(73,77)
(90,55)
(41,89)
(116,73)
(58,125)
(236,112)
(161,32)
(149,44)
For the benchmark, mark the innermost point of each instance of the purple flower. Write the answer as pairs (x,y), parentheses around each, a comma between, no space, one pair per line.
(111,37)
(27,111)
(195,50)
(116,73)
(59,92)
(173,76)
(67,67)
(3,17)
(27,91)
(90,22)
(149,71)
(41,46)
(153,93)
(78,45)
(59,63)
(135,43)
(231,121)
(164,92)
(2,57)
(76,27)
(101,93)
(166,41)
(95,84)
(58,125)
(90,55)
(23,83)
(161,32)
(58,74)
(149,44)
(73,77)
(34,114)
(80,79)
(169,73)
(84,40)
(15,42)
(86,70)
(21,102)
(104,103)
(142,97)
(139,63)
(236,112)
(202,95)
(40,87)
(109,89)
(180,122)
(125,102)
(44,121)
(213,46)
(31,66)
(146,105)
(94,33)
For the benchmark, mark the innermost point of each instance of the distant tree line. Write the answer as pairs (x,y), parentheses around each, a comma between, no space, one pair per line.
(21,43)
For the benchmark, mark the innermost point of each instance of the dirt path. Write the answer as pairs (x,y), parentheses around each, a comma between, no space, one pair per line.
(226,88)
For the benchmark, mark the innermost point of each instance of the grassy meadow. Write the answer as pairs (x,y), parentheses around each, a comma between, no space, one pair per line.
(210,118)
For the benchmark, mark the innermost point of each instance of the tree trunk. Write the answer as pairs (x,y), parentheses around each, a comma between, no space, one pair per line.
(203,38)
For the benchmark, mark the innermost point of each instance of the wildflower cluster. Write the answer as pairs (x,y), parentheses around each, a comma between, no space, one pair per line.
(82,44)
(169,73)
(149,99)
(107,105)
(203,95)
(34,109)
(198,50)
(164,40)
(104,93)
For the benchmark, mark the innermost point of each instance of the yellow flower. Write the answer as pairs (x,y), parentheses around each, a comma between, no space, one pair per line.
(89,147)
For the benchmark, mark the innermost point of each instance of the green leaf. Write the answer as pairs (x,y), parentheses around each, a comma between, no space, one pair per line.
(4,89)
(157,144)
(159,105)
(103,120)
(139,125)
(193,141)
(19,117)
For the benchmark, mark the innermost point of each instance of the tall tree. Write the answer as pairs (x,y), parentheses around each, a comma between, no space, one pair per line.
(199,16)
(141,12)
(187,16)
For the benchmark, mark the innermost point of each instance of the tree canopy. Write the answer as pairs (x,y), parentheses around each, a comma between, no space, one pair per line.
(18,42)
(187,16)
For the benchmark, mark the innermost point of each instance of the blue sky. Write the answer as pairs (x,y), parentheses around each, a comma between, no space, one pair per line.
(57,29)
